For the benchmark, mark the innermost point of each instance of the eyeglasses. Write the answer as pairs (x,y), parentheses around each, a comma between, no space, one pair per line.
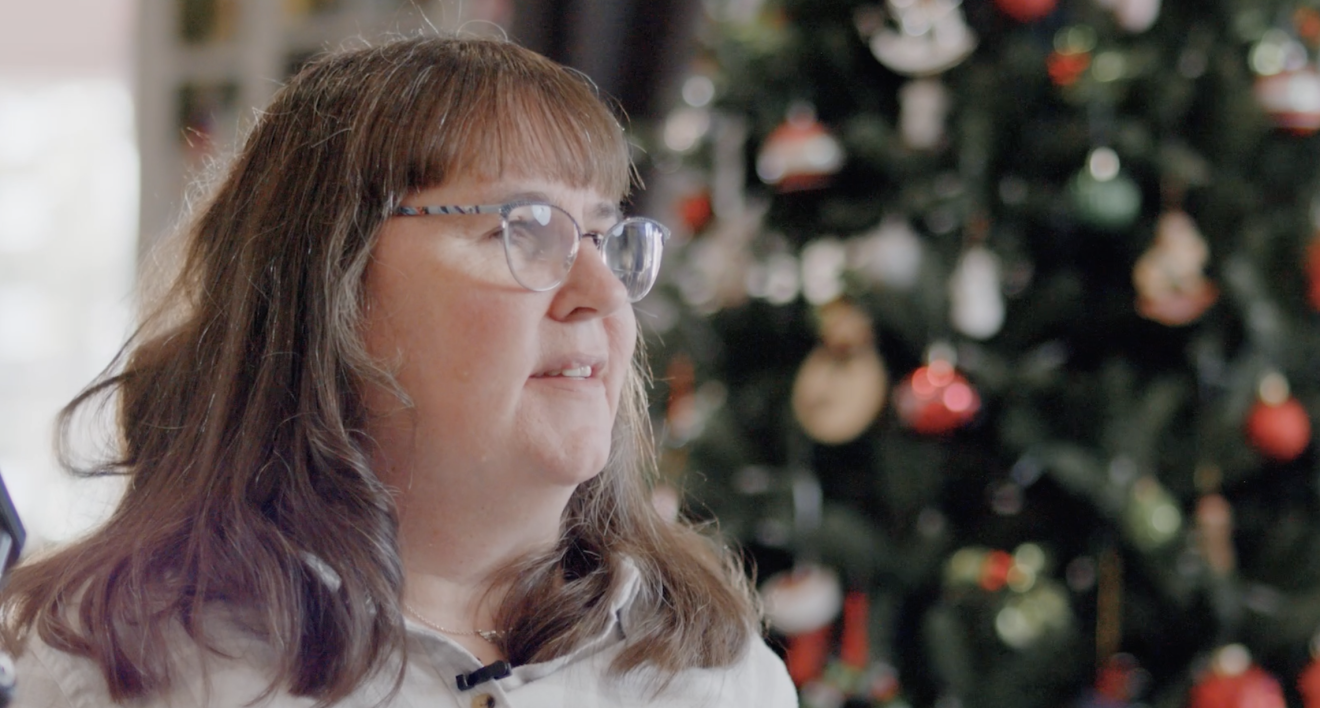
(541,243)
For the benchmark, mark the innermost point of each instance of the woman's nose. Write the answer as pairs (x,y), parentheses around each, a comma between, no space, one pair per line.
(591,288)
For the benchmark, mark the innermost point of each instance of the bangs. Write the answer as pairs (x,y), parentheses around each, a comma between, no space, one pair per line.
(509,113)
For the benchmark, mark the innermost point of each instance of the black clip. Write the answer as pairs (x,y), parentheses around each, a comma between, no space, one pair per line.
(491,672)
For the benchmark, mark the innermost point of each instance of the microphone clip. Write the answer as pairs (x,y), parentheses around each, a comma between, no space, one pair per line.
(490,672)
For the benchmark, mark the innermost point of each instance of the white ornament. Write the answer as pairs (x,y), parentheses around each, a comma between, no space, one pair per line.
(924,104)
(1135,16)
(891,255)
(822,270)
(974,291)
(931,37)
(776,280)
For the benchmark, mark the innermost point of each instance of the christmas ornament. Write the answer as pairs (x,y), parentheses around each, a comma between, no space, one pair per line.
(925,38)
(716,267)
(694,211)
(1171,287)
(1119,681)
(1151,517)
(1233,681)
(891,254)
(801,600)
(1292,99)
(1278,425)
(841,386)
(1277,51)
(1072,54)
(685,127)
(1307,22)
(1066,68)
(1313,271)
(806,655)
(923,107)
(1214,533)
(936,399)
(976,298)
(802,603)
(1028,617)
(1308,683)
(823,261)
(855,646)
(1026,10)
(1103,196)
(1135,16)
(800,154)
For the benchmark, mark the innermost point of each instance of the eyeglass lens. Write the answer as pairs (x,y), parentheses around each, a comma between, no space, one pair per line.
(542,242)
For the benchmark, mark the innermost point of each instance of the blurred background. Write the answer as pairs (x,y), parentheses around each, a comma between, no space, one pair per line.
(989,328)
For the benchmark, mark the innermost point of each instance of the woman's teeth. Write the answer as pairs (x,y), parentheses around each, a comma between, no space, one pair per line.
(581,372)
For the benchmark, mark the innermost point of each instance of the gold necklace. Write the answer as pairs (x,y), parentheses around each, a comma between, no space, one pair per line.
(489,635)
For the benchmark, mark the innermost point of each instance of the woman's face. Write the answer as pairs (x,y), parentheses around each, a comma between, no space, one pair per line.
(508,386)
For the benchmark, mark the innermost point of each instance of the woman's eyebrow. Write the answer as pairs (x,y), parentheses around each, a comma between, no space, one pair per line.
(523,197)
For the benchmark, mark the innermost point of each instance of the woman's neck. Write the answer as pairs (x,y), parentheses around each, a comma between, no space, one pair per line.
(456,537)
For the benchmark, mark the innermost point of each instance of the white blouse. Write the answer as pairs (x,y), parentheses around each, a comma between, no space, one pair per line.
(48,678)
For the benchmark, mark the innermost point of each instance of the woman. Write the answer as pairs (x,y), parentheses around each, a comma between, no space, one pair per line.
(389,440)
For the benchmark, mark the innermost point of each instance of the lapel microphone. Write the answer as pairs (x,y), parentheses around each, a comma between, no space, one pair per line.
(490,672)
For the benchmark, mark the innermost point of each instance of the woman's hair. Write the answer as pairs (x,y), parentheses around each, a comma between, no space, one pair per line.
(240,411)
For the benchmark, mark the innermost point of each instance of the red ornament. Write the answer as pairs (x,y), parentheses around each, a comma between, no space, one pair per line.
(695,211)
(935,399)
(994,574)
(1307,22)
(1278,425)
(806,655)
(1026,10)
(1066,67)
(854,645)
(1116,682)
(1313,271)
(1309,685)
(1235,682)
(1281,432)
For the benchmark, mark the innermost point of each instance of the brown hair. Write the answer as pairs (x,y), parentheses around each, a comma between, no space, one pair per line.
(240,412)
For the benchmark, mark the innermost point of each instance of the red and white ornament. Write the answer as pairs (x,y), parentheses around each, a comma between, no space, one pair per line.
(1292,99)
(1278,425)
(1234,681)
(936,399)
(800,154)
(1026,10)
(803,599)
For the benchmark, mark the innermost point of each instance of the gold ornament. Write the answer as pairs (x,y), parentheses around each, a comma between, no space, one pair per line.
(841,386)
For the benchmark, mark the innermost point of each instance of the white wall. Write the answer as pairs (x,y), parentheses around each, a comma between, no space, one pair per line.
(68,225)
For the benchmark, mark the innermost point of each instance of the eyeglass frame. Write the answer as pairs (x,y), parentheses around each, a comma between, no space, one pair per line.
(597,238)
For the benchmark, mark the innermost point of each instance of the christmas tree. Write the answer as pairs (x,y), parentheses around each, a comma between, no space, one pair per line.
(991,336)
